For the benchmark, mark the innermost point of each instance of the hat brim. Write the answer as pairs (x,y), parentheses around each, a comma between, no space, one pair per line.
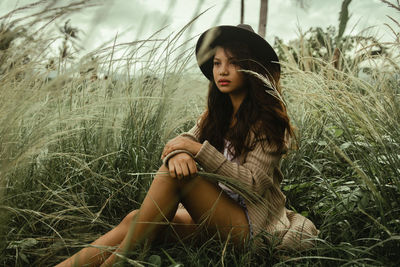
(210,39)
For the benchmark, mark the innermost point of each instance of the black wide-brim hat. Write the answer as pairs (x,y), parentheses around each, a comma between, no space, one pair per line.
(210,39)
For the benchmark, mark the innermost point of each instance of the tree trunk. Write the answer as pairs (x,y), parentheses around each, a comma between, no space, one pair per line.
(262,25)
(242,12)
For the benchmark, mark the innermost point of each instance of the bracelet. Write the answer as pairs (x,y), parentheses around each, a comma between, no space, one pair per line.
(173,153)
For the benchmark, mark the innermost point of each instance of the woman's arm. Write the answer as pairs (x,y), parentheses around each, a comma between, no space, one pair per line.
(182,165)
(178,154)
(193,133)
(181,143)
(188,141)
(256,172)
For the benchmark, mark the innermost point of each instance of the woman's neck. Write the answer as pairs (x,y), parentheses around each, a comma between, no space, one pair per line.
(237,100)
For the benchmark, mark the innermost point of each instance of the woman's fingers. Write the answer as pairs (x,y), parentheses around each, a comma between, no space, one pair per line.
(176,143)
(185,169)
(192,168)
(166,151)
(171,168)
(175,169)
(179,171)
(182,165)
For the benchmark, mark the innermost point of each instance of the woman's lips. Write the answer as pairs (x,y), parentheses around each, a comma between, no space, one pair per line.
(223,82)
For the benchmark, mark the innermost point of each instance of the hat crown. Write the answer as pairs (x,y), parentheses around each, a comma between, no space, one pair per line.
(245,27)
(262,51)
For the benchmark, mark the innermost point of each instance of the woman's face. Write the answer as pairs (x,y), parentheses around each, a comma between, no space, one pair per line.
(226,75)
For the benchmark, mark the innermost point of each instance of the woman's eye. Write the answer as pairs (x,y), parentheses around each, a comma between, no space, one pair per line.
(216,63)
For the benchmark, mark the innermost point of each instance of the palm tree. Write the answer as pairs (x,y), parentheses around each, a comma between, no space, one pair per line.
(262,24)
(343,19)
(242,12)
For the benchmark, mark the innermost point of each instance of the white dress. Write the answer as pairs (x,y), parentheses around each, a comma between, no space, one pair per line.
(235,196)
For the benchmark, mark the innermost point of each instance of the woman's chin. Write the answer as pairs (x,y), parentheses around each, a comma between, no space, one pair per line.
(225,90)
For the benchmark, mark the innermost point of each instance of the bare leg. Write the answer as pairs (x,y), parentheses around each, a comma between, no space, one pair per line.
(158,207)
(92,256)
(204,201)
(183,227)
(207,204)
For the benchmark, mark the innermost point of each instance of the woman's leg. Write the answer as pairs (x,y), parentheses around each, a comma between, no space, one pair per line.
(182,228)
(182,224)
(157,209)
(210,206)
(205,202)
(93,256)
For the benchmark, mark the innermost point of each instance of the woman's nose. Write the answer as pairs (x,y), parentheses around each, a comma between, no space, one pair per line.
(224,69)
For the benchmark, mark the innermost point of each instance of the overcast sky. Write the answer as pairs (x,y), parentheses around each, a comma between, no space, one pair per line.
(140,18)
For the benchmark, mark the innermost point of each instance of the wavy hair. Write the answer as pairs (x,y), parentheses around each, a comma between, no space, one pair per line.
(261,113)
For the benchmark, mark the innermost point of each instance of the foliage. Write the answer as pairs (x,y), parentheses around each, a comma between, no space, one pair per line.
(345,174)
(78,152)
(318,46)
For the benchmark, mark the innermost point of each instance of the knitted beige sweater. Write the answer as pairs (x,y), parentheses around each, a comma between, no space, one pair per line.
(259,171)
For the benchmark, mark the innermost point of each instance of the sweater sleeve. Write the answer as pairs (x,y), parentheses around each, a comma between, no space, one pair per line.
(255,172)
(193,133)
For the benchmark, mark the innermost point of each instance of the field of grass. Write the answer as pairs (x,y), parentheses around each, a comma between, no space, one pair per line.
(78,152)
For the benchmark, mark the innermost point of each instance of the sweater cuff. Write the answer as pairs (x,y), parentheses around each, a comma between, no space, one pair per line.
(209,157)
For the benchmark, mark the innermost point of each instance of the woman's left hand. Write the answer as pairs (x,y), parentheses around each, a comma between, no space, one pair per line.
(181,143)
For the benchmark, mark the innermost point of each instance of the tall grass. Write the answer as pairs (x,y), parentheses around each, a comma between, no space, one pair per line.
(78,153)
(346,172)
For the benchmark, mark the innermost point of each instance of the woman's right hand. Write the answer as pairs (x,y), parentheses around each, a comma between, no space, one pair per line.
(182,165)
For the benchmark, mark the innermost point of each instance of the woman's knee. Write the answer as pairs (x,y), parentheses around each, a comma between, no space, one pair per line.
(163,169)
(163,172)
(126,222)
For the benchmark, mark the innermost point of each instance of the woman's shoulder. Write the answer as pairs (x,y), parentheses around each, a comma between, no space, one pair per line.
(259,138)
(202,116)
(194,132)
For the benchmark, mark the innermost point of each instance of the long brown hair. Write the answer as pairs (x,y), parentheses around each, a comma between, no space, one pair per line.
(260,113)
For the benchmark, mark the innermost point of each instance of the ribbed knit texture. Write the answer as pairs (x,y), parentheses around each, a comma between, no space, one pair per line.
(259,171)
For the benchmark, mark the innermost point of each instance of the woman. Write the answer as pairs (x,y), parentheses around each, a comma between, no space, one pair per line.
(242,135)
